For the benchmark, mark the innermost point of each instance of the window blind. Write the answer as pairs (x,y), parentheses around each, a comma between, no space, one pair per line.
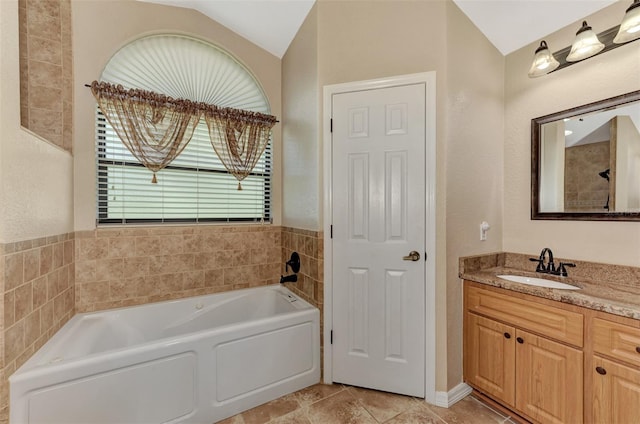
(195,187)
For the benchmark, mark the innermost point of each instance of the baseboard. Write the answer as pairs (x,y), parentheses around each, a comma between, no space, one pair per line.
(447,399)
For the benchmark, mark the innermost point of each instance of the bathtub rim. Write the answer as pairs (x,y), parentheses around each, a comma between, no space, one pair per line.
(37,370)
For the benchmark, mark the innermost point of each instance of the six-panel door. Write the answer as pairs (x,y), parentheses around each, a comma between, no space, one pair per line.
(378,191)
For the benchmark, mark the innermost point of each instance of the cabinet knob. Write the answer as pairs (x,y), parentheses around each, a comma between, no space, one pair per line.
(520,340)
(638,349)
(601,370)
(508,336)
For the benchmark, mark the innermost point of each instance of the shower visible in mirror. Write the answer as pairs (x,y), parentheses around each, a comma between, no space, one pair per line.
(605,174)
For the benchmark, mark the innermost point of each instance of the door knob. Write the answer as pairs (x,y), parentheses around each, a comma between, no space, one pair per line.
(413,256)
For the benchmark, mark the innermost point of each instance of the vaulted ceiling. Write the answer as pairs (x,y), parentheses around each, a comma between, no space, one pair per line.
(508,24)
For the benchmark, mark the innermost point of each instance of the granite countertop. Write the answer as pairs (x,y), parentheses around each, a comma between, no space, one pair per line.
(617,291)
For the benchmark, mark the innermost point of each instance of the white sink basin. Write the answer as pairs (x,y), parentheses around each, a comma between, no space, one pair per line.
(540,282)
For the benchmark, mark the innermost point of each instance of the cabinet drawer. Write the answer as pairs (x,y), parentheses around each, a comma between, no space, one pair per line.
(618,341)
(555,323)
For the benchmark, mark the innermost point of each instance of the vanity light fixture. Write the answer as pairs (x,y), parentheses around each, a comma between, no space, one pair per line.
(630,26)
(543,61)
(585,45)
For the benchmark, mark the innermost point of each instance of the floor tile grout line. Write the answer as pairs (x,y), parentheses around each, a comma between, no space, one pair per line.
(327,397)
(353,391)
(304,409)
(359,403)
(506,417)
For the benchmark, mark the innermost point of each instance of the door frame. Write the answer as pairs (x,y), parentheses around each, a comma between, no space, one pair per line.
(429,79)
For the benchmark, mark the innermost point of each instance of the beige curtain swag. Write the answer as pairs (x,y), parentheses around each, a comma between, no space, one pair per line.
(239,137)
(156,128)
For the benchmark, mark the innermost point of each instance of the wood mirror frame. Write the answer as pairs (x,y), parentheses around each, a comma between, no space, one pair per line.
(536,132)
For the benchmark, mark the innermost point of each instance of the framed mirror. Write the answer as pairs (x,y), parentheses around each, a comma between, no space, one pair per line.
(585,162)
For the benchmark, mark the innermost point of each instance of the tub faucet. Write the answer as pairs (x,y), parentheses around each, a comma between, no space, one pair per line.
(288,278)
(550,268)
(294,263)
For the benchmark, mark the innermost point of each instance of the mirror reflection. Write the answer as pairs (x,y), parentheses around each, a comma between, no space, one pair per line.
(589,161)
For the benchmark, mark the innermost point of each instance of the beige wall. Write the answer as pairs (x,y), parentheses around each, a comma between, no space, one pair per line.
(359,40)
(627,164)
(301,148)
(96,38)
(474,156)
(374,39)
(610,74)
(371,39)
(36,197)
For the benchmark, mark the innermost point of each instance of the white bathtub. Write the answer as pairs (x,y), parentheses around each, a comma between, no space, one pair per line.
(195,360)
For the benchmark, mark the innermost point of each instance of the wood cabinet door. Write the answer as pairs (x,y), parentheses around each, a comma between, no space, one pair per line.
(616,392)
(489,357)
(549,379)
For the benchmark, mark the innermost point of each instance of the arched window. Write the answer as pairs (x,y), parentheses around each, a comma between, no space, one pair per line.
(195,187)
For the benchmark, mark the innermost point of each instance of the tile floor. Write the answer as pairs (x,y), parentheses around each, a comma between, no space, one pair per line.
(338,404)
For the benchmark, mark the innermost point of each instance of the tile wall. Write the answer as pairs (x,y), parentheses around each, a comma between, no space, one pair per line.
(309,245)
(46,70)
(310,284)
(130,266)
(584,189)
(37,289)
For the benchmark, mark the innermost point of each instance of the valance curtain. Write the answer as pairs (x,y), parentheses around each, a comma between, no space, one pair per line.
(156,128)
(239,137)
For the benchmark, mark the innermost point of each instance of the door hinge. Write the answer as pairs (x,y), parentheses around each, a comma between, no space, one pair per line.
(331,231)
(331,337)
(331,125)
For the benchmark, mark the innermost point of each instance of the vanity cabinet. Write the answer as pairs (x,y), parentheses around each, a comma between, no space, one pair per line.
(490,357)
(615,371)
(525,355)
(549,379)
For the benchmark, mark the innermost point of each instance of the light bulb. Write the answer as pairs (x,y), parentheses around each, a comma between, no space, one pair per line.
(543,61)
(585,45)
(630,26)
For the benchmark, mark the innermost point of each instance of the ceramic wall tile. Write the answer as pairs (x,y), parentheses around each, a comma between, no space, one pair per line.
(142,265)
(45,64)
(36,302)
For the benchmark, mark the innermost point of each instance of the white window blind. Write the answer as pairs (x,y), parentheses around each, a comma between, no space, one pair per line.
(195,187)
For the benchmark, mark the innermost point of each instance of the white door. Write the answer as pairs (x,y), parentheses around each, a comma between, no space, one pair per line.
(378,218)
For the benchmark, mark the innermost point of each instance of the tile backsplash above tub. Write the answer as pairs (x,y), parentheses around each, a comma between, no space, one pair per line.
(128,266)
(309,245)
